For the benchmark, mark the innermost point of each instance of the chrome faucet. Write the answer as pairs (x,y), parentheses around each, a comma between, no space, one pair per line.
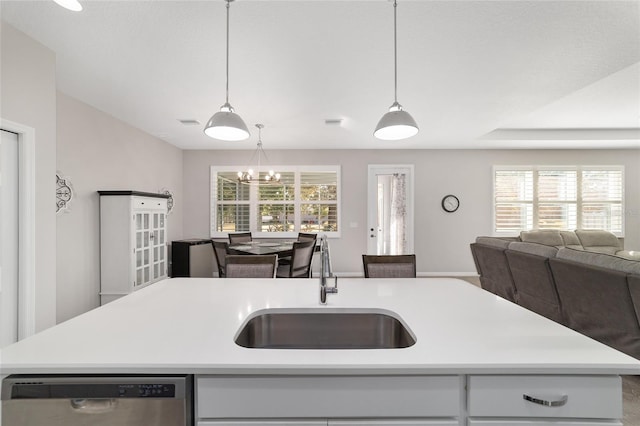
(325,272)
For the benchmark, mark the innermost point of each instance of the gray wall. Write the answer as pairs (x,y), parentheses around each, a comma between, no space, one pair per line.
(28,82)
(99,152)
(441,239)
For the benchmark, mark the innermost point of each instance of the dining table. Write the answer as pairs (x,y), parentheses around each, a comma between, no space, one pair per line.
(257,247)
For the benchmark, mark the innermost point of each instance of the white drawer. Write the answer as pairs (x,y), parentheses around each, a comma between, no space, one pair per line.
(149,203)
(597,397)
(393,422)
(474,422)
(262,423)
(328,397)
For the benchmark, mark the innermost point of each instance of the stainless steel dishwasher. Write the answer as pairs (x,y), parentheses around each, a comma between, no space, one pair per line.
(81,400)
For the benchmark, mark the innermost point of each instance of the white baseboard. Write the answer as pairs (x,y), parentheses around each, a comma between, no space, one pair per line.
(419,274)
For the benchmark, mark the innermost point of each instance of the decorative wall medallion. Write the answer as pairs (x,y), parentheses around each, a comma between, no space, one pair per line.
(169,200)
(64,193)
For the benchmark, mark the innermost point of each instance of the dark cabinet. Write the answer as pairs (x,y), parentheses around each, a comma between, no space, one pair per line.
(192,258)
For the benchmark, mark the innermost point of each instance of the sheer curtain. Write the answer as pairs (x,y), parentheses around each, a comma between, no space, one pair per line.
(392,214)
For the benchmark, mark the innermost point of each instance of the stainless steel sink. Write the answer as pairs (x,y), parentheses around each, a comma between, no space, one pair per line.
(324,329)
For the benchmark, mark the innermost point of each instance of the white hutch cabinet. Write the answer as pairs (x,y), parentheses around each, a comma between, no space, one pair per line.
(133,241)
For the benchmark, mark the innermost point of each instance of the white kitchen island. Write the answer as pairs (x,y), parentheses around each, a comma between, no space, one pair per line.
(475,358)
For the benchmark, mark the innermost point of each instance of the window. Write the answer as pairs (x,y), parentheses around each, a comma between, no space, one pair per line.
(307,199)
(564,198)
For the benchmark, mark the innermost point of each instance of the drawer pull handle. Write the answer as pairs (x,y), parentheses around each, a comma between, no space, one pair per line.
(559,403)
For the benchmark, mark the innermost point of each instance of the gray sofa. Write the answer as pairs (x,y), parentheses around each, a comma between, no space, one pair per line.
(583,279)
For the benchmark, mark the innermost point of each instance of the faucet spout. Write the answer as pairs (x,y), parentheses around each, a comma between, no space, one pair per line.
(325,272)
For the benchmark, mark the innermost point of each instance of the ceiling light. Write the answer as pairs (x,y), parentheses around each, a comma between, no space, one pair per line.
(251,175)
(70,4)
(225,124)
(396,124)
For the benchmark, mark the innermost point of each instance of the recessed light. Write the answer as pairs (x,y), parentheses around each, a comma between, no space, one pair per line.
(333,121)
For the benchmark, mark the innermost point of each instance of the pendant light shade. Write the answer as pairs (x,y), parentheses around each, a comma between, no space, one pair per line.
(396,124)
(225,124)
(73,5)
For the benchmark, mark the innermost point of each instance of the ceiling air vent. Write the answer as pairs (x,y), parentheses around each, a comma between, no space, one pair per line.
(190,122)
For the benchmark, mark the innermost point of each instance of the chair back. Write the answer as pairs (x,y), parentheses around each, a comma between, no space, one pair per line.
(304,236)
(240,237)
(301,257)
(220,249)
(251,266)
(389,266)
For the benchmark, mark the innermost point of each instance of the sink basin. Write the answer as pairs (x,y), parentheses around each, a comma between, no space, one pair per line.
(324,329)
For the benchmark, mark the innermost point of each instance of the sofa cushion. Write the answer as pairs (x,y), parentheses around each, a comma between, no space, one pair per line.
(571,240)
(493,242)
(548,237)
(533,248)
(599,241)
(607,261)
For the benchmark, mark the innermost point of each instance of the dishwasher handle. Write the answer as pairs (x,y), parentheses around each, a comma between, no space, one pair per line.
(93,405)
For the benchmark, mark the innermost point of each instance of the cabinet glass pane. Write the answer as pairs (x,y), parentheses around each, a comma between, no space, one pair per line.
(162,215)
(161,253)
(156,220)
(146,274)
(155,253)
(138,221)
(161,236)
(162,268)
(155,237)
(155,271)
(146,221)
(138,240)
(146,256)
(139,277)
(138,259)
(145,239)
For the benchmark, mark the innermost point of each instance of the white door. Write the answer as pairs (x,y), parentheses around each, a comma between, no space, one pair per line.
(8,238)
(390,209)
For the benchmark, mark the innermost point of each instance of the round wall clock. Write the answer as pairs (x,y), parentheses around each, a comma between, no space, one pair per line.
(450,203)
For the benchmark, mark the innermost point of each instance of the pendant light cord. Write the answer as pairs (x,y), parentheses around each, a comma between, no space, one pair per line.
(395,54)
(227,98)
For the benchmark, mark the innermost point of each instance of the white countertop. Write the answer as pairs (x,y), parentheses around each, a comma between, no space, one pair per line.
(188,325)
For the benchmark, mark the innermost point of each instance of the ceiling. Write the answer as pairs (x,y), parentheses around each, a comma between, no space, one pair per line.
(473,74)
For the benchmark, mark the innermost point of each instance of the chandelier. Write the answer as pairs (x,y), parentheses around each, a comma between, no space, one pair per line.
(250,175)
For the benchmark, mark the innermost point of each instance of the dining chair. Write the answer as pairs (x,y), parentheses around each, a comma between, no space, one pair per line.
(220,249)
(240,237)
(302,236)
(251,266)
(300,265)
(389,266)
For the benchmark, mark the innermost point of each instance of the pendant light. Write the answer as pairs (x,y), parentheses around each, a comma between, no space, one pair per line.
(225,124)
(396,124)
(248,175)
